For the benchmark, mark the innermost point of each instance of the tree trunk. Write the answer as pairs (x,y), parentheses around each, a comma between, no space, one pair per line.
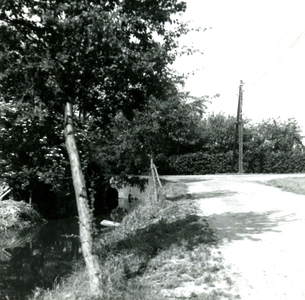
(85,220)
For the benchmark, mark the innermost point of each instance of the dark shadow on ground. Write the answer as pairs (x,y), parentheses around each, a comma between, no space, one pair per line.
(203,195)
(238,226)
(149,241)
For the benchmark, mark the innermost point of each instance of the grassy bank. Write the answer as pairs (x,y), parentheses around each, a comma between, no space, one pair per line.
(17,215)
(293,184)
(160,251)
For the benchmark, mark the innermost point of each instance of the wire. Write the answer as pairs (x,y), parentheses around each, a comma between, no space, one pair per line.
(292,45)
(286,33)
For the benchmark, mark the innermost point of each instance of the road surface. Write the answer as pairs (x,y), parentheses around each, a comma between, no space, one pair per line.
(260,229)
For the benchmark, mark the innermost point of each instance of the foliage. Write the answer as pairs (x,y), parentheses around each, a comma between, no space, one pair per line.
(275,147)
(161,129)
(32,150)
(275,135)
(198,163)
(218,133)
(272,146)
(275,162)
(109,58)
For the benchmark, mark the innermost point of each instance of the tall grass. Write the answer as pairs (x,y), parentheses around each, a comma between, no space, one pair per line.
(17,215)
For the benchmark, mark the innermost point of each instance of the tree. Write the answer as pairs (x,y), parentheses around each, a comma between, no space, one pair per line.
(90,58)
(31,148)
(272,138)
(277,135)
(218,132)
(161,129)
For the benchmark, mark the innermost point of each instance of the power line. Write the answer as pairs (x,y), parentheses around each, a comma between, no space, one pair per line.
(292,45)
(286,33)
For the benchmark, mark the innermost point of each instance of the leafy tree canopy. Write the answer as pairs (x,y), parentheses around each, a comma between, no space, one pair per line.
(103,55)
(161,129)
(106,57)
(277,135)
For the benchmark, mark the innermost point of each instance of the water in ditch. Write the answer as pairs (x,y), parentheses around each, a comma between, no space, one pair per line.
(39,257)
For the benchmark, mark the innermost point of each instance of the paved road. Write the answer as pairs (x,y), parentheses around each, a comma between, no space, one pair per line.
(261,232)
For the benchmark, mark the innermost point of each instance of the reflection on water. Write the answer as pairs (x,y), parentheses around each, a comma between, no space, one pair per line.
(37,257)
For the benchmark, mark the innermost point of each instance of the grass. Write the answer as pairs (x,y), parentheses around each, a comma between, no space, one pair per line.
(17,215)
(160,251)
(295,184)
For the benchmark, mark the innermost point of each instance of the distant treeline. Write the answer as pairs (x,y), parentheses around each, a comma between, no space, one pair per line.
(272,146)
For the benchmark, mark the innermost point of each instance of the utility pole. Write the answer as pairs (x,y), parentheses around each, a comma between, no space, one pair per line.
(240,161)
(238,129)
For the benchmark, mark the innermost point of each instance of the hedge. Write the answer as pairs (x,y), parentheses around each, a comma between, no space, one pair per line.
(201,163)
(276,162)
(198,163)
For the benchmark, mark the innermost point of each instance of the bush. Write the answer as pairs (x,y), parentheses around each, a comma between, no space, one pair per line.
(258,162)
(198,163)
(275,162)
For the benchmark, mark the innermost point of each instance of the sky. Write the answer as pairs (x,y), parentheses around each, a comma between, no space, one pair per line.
(261,42)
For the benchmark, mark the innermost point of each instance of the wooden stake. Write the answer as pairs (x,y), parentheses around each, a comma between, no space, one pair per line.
(157,175)
(153,177)
(4,193)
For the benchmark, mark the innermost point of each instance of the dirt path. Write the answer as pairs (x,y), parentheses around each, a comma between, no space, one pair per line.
(261,233)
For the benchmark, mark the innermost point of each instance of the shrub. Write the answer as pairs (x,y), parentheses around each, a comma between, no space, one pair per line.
(198,163)
(254,162)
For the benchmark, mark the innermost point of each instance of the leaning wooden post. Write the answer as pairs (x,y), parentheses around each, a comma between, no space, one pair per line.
(85,222)
(153,177)
(157,175)
(4,193)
